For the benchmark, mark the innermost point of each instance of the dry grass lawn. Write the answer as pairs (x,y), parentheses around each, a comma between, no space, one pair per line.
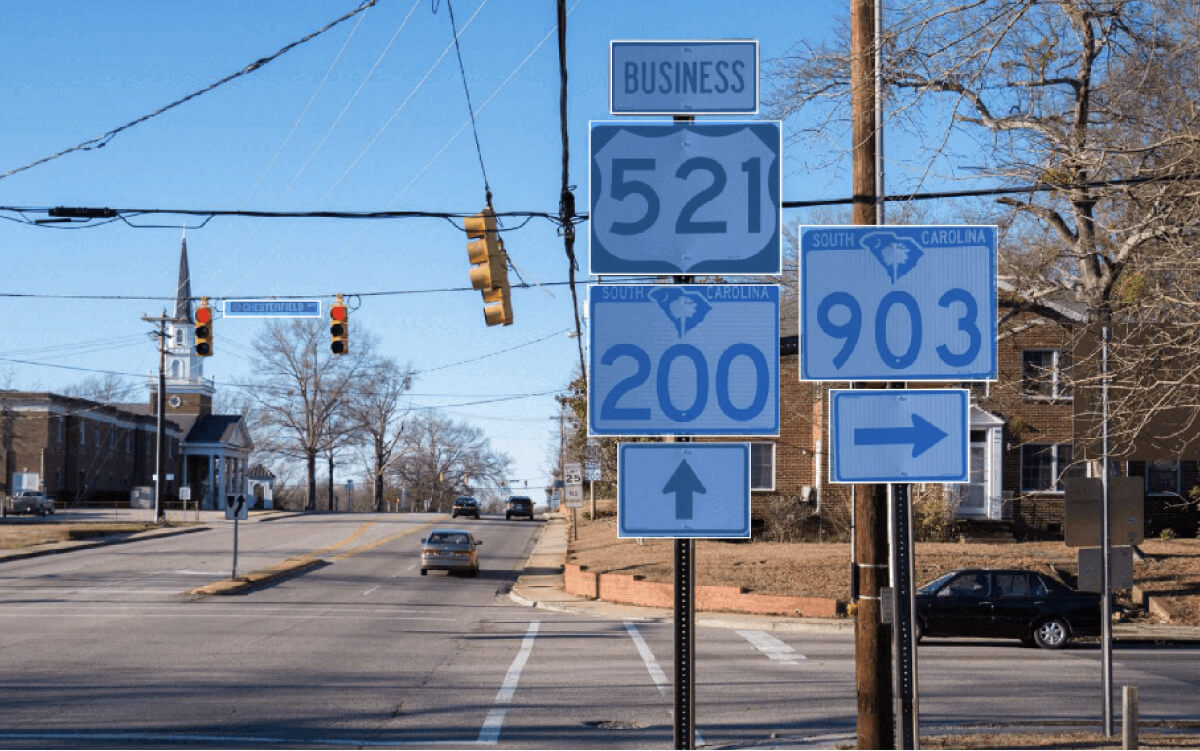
(823,569)
(18,534)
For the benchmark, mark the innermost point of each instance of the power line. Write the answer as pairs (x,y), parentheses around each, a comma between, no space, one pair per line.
(218,298)
(61,214)
(101,141)
(487,189)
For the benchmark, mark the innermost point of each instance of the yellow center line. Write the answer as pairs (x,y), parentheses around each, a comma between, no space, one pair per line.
(359,533)
(382,541)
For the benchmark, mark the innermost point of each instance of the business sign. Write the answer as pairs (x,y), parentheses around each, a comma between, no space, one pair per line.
(683,490)
(717,77)
(683,359)
(267,308)
(685,198)
(913,435)
(897,303)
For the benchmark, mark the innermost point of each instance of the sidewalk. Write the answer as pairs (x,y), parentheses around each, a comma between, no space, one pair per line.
(541,585)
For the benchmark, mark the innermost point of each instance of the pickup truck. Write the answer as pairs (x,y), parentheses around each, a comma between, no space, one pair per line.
(32,502)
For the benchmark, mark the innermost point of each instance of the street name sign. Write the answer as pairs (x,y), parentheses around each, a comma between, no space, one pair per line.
(685,198)
(912,435)
(267,308)
(683,359)
(666,77)
(898,303)
(683,490)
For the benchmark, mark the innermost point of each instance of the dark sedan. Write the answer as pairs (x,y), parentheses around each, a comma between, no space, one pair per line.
(1006,604)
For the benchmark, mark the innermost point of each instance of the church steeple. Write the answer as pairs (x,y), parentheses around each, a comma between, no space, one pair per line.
(183,290)
(187,390)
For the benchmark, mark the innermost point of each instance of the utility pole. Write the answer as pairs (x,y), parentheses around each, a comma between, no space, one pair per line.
(159,407)
(872,646)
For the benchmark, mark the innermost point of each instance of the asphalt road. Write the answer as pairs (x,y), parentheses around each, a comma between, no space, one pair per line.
(101,648)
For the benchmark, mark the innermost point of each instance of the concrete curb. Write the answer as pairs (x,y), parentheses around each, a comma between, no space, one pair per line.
(260,578)
(67,547)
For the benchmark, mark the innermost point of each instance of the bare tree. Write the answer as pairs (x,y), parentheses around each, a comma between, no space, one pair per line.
(1095,99)
(440,458)
(109,388)
(376,413)
(301,389)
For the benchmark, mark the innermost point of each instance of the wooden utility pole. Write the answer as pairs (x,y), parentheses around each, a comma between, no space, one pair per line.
(872,645)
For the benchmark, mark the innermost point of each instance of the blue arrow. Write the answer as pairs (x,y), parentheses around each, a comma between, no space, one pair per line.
(922,435)
(683,484)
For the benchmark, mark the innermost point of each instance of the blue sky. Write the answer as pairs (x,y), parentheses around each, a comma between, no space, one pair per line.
(380,128)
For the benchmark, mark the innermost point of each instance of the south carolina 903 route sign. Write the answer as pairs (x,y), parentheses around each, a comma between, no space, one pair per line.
(683,359)
(898,303)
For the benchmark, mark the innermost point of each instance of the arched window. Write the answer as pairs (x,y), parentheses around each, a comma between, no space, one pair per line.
(176,369)
(178,337)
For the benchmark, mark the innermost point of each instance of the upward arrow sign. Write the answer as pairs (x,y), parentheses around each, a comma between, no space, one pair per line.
(683,484)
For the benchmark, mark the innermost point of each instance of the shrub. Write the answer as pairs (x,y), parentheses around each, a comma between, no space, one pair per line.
(933,514)
(1167,534)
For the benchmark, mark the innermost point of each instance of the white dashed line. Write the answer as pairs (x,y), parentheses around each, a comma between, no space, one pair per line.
(773,648)
(489,733)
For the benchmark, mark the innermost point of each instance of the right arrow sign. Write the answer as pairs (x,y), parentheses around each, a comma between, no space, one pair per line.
(915,435)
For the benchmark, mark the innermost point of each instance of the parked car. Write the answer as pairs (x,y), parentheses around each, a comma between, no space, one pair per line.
(32,502)
(464,506)
(518,505)
(1006,604)
(452,550)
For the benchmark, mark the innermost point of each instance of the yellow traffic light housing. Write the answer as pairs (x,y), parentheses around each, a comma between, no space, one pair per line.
(489,267)
(339,328)
(203,319)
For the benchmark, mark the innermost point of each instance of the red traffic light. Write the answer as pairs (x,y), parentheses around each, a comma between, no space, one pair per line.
(204,314)
(337,312)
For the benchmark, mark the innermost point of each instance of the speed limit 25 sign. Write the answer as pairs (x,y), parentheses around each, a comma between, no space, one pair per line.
(687,359)
(898,303)
(685,198)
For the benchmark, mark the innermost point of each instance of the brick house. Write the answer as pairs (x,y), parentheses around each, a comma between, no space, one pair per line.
(1024,440)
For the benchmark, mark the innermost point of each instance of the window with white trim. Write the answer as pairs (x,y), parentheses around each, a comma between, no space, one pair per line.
(1162,477)
(762,465)
(1044,373)
(1044,465)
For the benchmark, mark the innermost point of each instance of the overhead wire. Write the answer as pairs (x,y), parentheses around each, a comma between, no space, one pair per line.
(487,188)
(103,140)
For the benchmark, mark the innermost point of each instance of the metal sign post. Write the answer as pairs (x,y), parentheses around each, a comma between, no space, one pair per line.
(236,511)
(904,674)
(685,647)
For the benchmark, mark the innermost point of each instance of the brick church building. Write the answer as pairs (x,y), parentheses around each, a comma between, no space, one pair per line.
(81,451)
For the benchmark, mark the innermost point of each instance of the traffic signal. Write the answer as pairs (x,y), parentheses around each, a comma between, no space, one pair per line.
(489,269)
(203,319)
(339,328)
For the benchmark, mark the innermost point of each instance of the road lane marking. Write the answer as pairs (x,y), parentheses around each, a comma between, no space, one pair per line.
(773,648)
(656,673)
(369,591)
(489,733)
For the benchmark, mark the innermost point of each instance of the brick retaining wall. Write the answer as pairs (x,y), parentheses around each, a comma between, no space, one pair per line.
(635,590)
